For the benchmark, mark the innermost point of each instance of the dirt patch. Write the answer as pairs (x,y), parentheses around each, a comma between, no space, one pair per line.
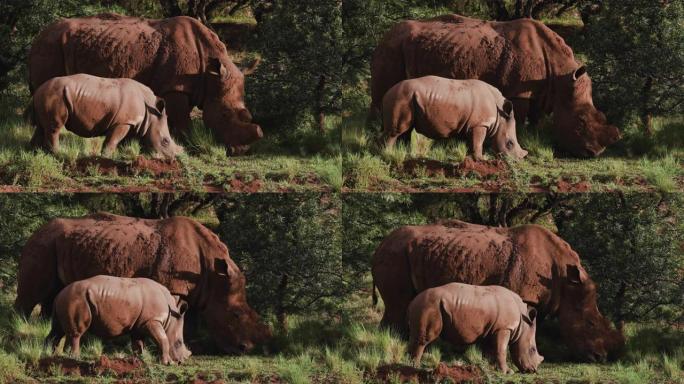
(102,165)
(453,373)
(119,367)
(110,167)
(468,166)
(239,184)
(157,167)
(563,185)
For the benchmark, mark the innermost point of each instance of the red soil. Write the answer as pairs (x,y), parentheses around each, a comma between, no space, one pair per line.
(111,167)
(564,186)
(120,367)
(434,167)
(453,373)
(238,185)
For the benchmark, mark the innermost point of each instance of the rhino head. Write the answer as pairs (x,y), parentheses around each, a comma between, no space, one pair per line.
(236,326)
(589,335)
(581,129)
(224,110)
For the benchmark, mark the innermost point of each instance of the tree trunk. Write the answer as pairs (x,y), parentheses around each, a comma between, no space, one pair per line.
(618,310)
(319,104)
(646,116)
(170,8)
(498,9)
(281,315)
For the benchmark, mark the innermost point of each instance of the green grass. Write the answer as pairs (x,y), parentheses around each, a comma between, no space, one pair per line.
(270,166)
(347,349)
(636,164)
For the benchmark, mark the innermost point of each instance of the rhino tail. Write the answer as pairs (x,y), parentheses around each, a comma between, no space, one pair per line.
(374,293)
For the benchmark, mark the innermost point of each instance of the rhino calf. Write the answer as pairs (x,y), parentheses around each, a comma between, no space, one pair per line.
(112,306)
(464,314)
(441,108)
(92,106)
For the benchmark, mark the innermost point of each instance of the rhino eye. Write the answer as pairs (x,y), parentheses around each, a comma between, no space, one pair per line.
(509,144)
(165,142)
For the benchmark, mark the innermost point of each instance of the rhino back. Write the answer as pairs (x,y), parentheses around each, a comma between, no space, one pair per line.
(519,57)
(167,55)
(107,244)
(473,255)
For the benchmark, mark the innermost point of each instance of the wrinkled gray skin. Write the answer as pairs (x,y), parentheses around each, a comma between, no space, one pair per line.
(464,314)
(111,306)
(91,106)
(441,108)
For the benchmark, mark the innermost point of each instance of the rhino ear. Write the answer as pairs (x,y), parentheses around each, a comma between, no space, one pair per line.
(507,109)
(153,110)
(182,308)
(579,72)
(174,313)
(573,274)
(216,68)
(161,105)
(221,267)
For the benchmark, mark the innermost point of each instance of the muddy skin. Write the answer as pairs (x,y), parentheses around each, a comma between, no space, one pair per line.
(529,260)
(112,306)
(528,62)
(179,58)
(91,106)
(179,253)
(464,314)
(442,108)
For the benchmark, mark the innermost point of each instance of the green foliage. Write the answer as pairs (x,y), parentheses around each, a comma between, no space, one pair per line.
(21,216)
(288,246)
(298,77)
(631,246)
(21,20)
(636,51)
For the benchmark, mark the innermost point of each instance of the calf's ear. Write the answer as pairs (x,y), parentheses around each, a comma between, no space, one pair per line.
(161,105)
(174,313)
(153,110)
(507,109)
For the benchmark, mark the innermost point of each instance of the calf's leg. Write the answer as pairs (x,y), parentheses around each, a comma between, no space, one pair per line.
(159,335)
(114,136)
(478,137)
(425,327)
(502,339)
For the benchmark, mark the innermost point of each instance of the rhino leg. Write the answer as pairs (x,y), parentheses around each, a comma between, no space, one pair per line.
(38,137)
(397,124)
(502,339)
(55,335)
(137,343)
(75,342)
(477,145)
(178,110)
(521,108)
(114,136)
(159,335)
(424,331)
(51,137)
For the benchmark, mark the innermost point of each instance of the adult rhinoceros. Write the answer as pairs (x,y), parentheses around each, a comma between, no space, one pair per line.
(180,253)
(528,62)
(529,260)
(180,59)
